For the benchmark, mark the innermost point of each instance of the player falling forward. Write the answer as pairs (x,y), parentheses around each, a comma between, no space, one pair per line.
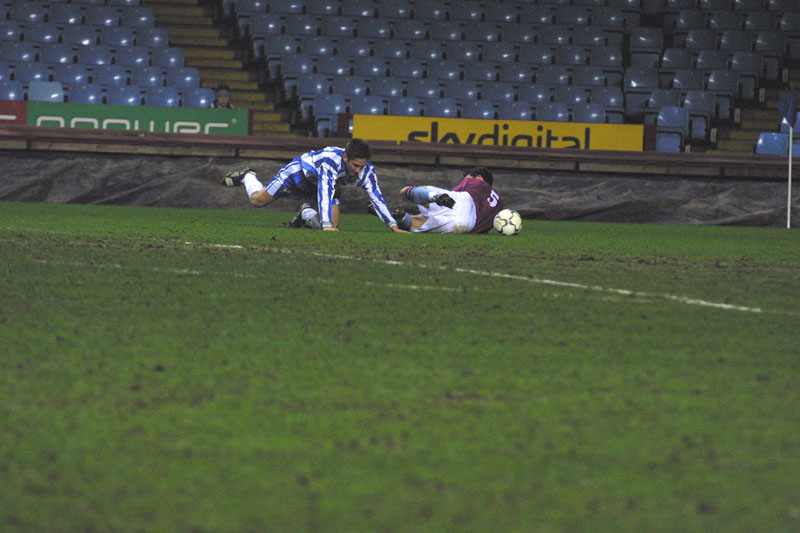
(469,207)
(315,177)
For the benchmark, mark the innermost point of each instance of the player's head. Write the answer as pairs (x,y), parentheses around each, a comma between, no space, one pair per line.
(358,149)
(480,172)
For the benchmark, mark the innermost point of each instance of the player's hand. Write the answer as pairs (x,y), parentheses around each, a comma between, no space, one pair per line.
(329,228)
(445,201)
(398,230)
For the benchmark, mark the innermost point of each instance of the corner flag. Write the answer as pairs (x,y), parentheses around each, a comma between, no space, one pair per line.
(788,108)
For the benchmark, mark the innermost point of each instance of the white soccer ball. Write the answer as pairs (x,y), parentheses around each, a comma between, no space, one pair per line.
(507,222)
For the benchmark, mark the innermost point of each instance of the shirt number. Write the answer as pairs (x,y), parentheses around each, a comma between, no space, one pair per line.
(493,198)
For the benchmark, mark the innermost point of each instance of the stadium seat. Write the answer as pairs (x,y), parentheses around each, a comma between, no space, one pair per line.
(536,15)
(335,66)
(688,80)
(18,52)
(424,88)
(292,67)
(6,70)
(446,69)
(460,90)
(750,67)
(42,32)
(776,144)
(167,57)
(686,20)
(514,111)
(84,93)
(724,85)
(124,95)
(124,3)
(502,12)
(552,112)
(326,111)
(657,99)
(392,9)
(260,24)
(69,73)
(673,60)
(431,10)
(109,75)
(354,47)
(571,95)
(349,86)
(132,56)
(553,74)
(145,76)
(568,54)
(430,51)
(94,54)
(612,99)
(449,31)
(359,8)
(11,90)
(756,21)
(516,73)
(80,35)
(592,36)
(672,129)
(370,67)
(301,25)
(45,91)
(480,72)
(326,8)
(484,32)
(611,60)
(439,107)
(10,30)
(646,46)
(162,96)
(337,26)
(286,7)
(372,28)
(100,15)
(701,40)
(386,88)
(367,105)
(536,94)
(467,10)
(498,91)
(702,114)
(589,113)
(772,46)
(464,51)
(724,20)
(555,35)
(589,76)
(518,33)
(65,14)
(405,68)
(572,16)
(28,11)
(404,106)
(499,52)
(481,109)
(408,29)
(317,45)
(56,53)
(708,60)
(308,87)
(183,77)
(117,37)
(138,17)
(390,48)
(785,127)
(27,72)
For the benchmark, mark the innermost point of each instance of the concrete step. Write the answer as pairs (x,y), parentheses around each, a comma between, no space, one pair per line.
(197,32)
(762,124)
(270,127)
(744,135)
(758,114)
(202,62)
(152,3)
(176,10)
(208,52)
(226,75)
(188,41)
(205,21)
(736,146)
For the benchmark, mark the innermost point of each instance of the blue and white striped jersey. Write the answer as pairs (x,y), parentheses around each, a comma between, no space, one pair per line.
(326,170)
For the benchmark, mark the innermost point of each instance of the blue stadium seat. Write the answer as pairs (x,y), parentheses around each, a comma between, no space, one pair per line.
(480,72)
(123,95)
(568,54)
(28,11)
(123,3)
(516,73)
(6,70)
(65,14)
(776,144)
(371,67)
(537,15)
(610,59)
(553,74)
(69,73)
(708,60)
(749,5)
(672,129)
(612,99)
(785,127)
(80,35)
(614,22)
(328,8)
(317,45)
(326,110)
(146,76)
(27,72)
(260,24)
(460,90)
(686,20)
(386,88)
(724,85)
(338,26)
(701,40)
(56,53)
(109,75)
(555,35)
(405,68)
(467,10)
(390,48)
(117,36)
(11,90)
(286,7)
(354,47)
(518,33)
(372,28)
(18,52)
(45,91)
(465,51)
(572,15)
(301,25)
(367,105)
(424,88)
(498,91)
(272,49)
(167,57)
(199,97)
(514,111)
(10,30)
(592,36)
(552,112)
(673,60)
(359,8)
(659,98)
(335,66)
(308,87)
(536,94)
(94,54)
(772,46)
(42,32)
(132,56)
(589,76)
(439,107)
(292,67)
(431,10)
(102,16)
(499,52)
(84,93)
(571,95)
(724,20)
(392,9)
(589,113)
(349,86)
(408,29)
(502,12)
(750,67)
(162,96)
(483,109)
(138,17)
(483,32)
(404,106)
(446,69)
(426,50)
(646,46)
(702,114)
(183,77)
(756,21)
(449,31)
(688,80)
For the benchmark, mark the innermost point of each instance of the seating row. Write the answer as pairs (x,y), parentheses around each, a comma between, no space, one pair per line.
(82,34)
(133,16)
(91,93)
(105,75)
(93,54)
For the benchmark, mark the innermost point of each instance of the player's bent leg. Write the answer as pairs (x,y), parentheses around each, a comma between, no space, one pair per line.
(261,198)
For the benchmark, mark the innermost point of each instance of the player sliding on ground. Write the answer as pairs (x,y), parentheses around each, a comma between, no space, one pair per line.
(470,207)
(316,178)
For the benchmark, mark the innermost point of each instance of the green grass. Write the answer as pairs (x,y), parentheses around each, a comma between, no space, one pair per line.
(178,369)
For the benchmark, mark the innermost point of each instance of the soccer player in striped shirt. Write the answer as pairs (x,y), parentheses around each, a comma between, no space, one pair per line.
(469,207)
(315,177)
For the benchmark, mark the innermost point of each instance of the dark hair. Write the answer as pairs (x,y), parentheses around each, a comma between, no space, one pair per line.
(358,149)
(483,172)
(222,88)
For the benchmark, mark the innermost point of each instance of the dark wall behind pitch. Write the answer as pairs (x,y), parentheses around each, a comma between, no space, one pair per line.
(173,181)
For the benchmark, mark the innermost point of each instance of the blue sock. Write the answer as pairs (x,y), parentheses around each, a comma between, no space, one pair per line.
(405,222)
(421,195)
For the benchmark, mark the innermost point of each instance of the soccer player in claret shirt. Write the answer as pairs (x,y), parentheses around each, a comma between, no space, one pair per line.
(469,207)
(315,177)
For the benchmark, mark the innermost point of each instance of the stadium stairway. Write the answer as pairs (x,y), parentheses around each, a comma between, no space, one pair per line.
(755,121)
(206,45)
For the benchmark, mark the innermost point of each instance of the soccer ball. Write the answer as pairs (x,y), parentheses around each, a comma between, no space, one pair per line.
(507,222)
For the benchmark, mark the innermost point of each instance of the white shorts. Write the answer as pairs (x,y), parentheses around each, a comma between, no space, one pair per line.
(459,219)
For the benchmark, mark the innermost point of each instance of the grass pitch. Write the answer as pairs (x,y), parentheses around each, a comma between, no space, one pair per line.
(177,369)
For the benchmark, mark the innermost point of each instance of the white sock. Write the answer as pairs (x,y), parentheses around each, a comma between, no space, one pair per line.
(251,184)
(312,217)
